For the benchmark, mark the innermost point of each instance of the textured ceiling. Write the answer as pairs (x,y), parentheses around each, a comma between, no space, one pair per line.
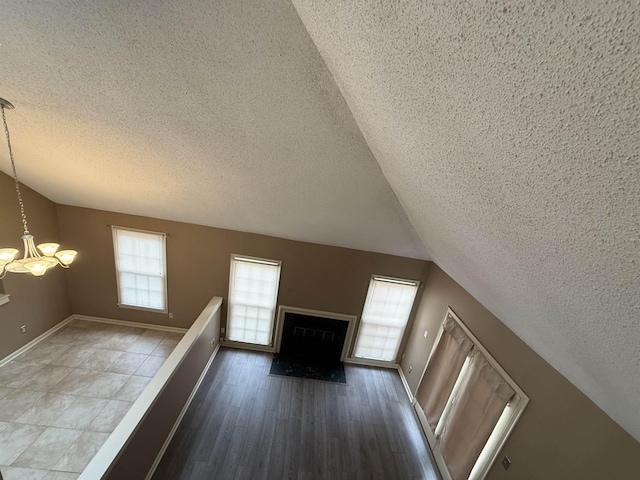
(510,133)
(216,113)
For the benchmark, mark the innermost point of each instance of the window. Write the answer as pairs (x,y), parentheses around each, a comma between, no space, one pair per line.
(384,318)
(466,402)
(253,291)
(140,268)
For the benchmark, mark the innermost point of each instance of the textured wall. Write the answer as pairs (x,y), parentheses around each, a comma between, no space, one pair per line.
(509,131)
(313,276)
(38,303)
(562,434)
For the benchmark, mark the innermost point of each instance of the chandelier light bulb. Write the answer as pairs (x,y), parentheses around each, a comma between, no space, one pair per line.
(48,249)
(37,268)
(66,256)
(7,255)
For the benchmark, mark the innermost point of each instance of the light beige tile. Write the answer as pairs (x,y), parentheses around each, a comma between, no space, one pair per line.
(127,363)
(15,439)
(110,417)
(74,357)
(79,323)
(46,410)
(14,374)
(81,452)
(17,473)
(144,345)
(131,330)
(165,348)
(48,448)
(101,360)
(67,335)
(46,378)
(14,405)
(80,413)
(133,388)
(120,341)
(77,381)
(61,476)
(152,333)
(174,336)
(4,391)
(106,385)
(150,366)
(96,338)
(43,353)
(107,327)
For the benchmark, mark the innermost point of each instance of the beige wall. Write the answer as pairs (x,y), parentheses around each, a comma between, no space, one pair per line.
(38,303)
(313,276)
(562,434)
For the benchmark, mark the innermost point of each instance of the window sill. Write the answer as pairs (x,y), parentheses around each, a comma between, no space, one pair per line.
(4,298)
(144,309)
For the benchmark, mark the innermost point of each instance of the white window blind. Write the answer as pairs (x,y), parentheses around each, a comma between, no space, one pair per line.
(384,318)
(253,292)
(140,268)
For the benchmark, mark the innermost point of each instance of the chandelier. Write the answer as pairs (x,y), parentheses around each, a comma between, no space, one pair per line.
(35,261)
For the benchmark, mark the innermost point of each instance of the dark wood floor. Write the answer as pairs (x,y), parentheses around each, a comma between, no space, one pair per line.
(246,424)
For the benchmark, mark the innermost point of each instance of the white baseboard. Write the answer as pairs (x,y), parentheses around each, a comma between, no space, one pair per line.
(150,326)
(76,316)
(35,341)
(371,363)
(412,399)
(247,346)
(166,443)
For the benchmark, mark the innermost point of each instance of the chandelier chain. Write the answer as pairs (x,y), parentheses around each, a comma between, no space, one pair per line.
(15,175)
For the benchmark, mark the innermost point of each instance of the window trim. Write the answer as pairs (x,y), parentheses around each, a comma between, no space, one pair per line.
(505,425)
(164,258)
(270,347)
(396,280)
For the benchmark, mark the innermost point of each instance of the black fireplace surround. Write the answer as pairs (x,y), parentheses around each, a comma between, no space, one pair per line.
(311,347)
(314,339)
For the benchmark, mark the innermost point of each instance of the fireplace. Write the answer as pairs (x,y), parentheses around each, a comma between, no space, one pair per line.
(313,336)
(316,340)
(312,344)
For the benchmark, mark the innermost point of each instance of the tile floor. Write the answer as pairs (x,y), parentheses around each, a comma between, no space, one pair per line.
(60,400)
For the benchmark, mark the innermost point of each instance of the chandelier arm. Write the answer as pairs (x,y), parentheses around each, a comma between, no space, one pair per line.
(15,175)
(61,263)
(3,272)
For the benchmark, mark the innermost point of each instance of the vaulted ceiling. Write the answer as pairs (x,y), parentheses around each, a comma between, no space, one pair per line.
(498,139)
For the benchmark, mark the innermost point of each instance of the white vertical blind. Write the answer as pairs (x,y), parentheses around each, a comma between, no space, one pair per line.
(253,292)
(384,318)
(141,268)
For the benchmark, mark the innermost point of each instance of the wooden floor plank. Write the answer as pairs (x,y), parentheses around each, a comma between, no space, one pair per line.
(246,424)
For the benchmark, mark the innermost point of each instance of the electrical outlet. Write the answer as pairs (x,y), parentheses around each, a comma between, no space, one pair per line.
(410,368)
(170,314)
(212,341)
(506,463)
(23,329)
(425,334)
(222,330)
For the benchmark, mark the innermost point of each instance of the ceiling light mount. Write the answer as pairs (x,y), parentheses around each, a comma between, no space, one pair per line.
(34,261)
